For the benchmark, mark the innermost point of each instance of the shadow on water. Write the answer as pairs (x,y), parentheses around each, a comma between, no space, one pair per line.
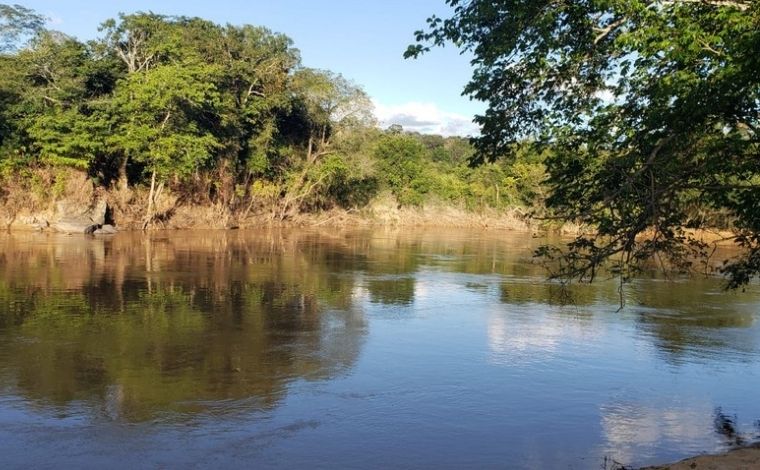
(727,426)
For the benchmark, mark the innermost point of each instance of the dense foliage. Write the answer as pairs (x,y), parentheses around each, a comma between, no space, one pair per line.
(221,115)
(651,109)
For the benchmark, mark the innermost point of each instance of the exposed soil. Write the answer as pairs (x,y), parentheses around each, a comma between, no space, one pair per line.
(738,459)
(36,204)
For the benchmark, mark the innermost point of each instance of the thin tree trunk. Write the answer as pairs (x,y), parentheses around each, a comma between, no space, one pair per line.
(149,215)
(310,150)
(123,179)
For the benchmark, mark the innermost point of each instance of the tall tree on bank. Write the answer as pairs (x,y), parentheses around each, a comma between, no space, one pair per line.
(256,66)
(651,108)
(138,42)
(325,105)
(221,89)
(162,108)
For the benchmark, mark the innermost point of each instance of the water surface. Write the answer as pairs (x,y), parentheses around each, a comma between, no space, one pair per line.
(360,349)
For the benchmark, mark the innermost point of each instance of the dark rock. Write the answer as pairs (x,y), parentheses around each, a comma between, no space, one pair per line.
(106,230)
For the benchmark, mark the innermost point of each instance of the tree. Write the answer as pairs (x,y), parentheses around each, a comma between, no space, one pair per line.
(18,23)
(325,106)
(54,107)
(255,66)
(157,116)
(333,104)
(165,109)
(46,92)
(401,168)
(139,42)
(651,109)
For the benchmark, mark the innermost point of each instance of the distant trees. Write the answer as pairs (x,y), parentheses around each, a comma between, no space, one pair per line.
(400,161)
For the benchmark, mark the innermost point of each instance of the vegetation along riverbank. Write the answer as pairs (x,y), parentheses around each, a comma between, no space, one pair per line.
(176,122)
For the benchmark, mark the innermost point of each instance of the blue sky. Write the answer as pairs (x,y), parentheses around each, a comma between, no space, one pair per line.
(362,39)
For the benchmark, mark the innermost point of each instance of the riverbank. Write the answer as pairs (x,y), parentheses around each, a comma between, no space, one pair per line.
(216,218)
(73,204)
(742,458)
(77,204)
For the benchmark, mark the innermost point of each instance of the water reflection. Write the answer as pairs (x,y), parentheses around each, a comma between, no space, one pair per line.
(422,348)
(142,326)
(684,318)
(533,334)
(634,431)
(695,318)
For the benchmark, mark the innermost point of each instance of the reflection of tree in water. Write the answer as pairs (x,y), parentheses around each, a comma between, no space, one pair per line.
(684,319)
(727,426)
(191,322)
(539,291)
(176,321)
(695,317)
(392,291)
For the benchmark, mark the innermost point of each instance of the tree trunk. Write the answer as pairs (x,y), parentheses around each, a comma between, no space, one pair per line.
(123,179)
(310,150)
(149,214)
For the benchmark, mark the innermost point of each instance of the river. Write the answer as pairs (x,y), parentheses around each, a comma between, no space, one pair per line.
(358,349)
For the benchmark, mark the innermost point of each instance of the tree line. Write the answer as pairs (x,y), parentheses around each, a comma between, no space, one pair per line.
(220,114)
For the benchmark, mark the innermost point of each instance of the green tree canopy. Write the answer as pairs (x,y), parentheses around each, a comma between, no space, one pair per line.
(652,110)
(332,104)
(56,93)
(400,164)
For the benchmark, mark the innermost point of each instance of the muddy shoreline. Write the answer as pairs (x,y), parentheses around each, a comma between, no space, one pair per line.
(741,458)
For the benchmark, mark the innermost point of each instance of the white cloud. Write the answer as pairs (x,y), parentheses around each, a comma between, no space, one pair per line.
(426,118)
(634,430)
(535,337)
